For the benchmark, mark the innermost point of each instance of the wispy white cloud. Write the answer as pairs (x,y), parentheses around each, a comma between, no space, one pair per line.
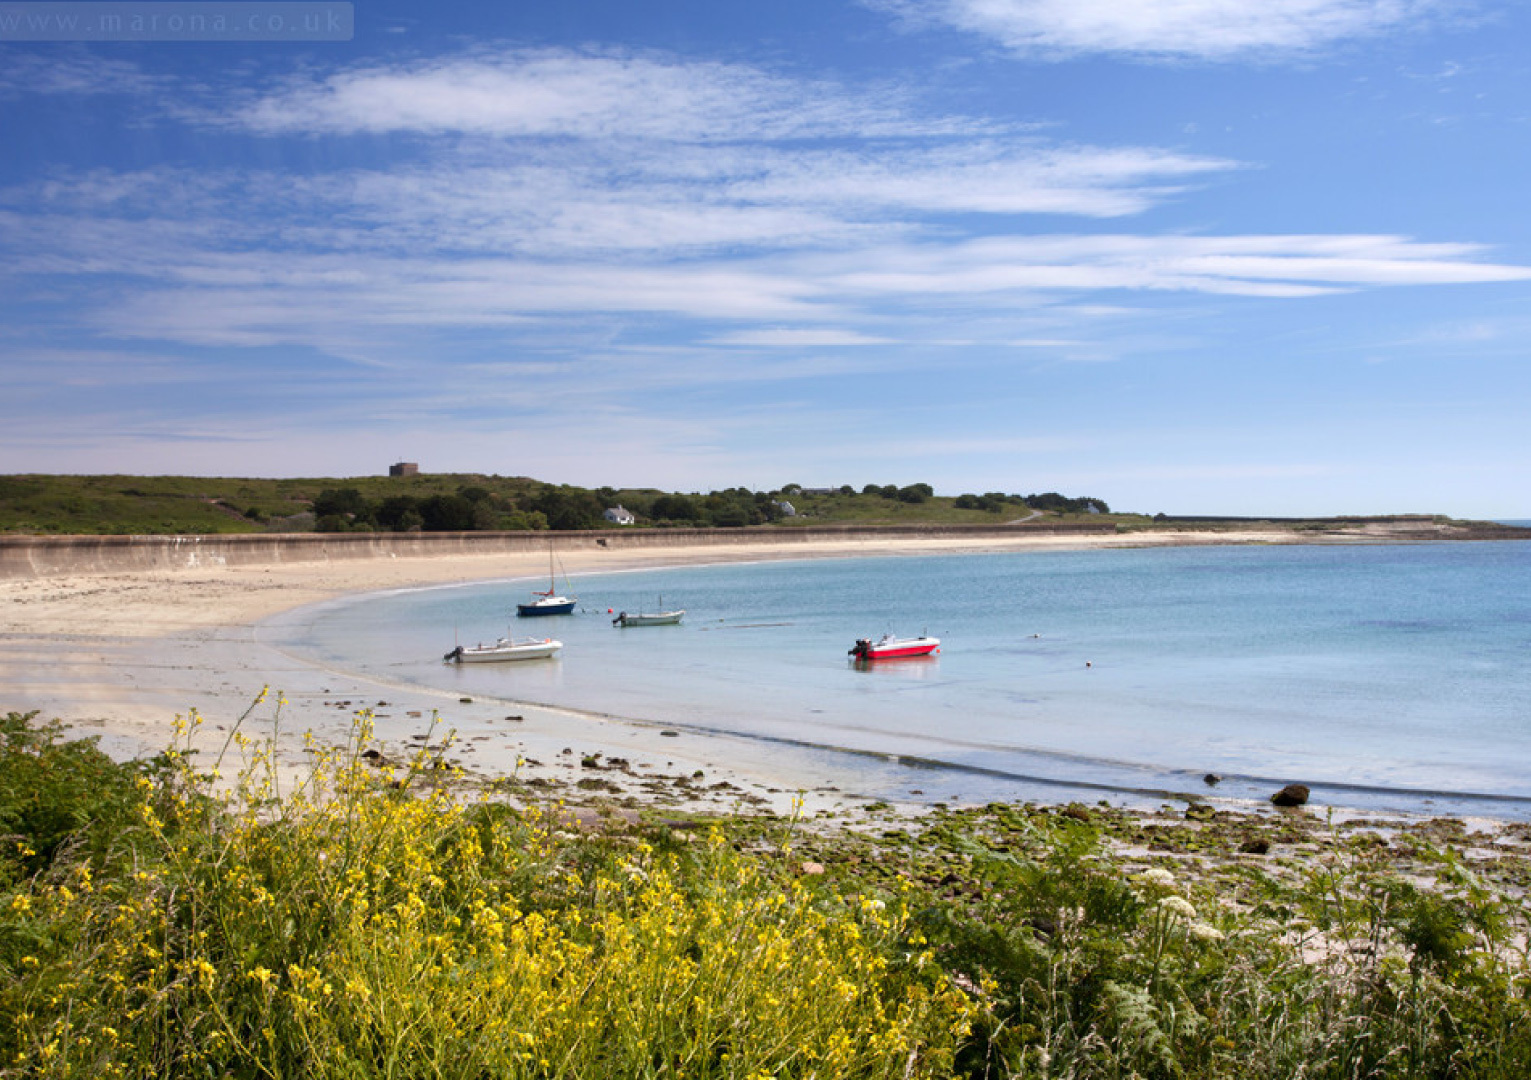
(562,95)
(771,337)
(1273,266)
(645,198)
(203,282)
(74,73)
(553,154)
(1216,30)
(543,151)
(1025,177)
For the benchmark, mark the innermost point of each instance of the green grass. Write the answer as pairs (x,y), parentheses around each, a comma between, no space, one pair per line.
(861,509)
(136,505)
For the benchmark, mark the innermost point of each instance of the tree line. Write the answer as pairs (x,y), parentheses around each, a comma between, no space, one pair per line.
(561,507)
(1048,502)
(569,508)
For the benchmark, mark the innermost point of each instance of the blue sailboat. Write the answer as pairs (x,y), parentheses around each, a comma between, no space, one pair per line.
(548,603)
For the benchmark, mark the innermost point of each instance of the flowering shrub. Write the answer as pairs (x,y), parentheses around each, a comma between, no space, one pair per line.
(373,924)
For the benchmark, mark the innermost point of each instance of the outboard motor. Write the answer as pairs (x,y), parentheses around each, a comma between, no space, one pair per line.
(861,647)
(455,654)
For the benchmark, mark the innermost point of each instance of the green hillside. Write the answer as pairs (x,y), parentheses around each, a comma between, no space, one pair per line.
(140,505)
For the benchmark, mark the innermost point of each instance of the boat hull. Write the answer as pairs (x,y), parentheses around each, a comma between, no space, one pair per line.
(504,650)
(895,648)
(658,618)
(556,605)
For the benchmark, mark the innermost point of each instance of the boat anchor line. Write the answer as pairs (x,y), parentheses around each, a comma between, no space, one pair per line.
(748,626)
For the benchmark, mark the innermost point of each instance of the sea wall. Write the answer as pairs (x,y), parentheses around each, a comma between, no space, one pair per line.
(53,556)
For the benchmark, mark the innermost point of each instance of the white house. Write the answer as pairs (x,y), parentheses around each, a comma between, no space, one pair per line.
(620,515)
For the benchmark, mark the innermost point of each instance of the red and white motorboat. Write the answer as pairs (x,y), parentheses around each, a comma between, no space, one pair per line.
(892,648)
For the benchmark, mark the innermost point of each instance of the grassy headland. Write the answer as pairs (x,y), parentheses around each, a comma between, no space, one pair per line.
(140,505)
(388,918)
(159,505)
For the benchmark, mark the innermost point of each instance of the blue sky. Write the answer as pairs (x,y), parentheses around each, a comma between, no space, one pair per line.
(1201,256)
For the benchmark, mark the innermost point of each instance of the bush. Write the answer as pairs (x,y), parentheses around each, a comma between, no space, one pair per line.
(371,924)
(56,794)
(675,508)
(341,502)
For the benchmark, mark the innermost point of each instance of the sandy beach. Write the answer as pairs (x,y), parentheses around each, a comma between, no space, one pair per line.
(120,655)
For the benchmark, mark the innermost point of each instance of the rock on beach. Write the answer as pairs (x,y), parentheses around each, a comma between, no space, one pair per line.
(1291,795)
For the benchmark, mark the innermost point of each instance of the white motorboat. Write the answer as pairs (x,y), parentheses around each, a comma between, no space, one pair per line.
(504,649)
(649,618)
(893,648)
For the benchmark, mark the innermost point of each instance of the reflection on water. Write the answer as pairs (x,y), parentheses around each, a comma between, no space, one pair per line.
(911,667)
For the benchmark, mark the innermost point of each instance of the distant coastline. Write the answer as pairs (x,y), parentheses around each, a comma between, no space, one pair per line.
(36,556)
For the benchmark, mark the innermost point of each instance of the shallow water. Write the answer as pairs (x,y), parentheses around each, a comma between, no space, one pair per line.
(1386,678)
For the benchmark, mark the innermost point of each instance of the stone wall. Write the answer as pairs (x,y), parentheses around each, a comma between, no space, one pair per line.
(50,556)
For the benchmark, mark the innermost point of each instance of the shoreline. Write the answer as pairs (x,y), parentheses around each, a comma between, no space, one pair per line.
(120,654)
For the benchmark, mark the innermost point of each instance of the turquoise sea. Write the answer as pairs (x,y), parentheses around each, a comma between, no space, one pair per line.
(1387,678)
